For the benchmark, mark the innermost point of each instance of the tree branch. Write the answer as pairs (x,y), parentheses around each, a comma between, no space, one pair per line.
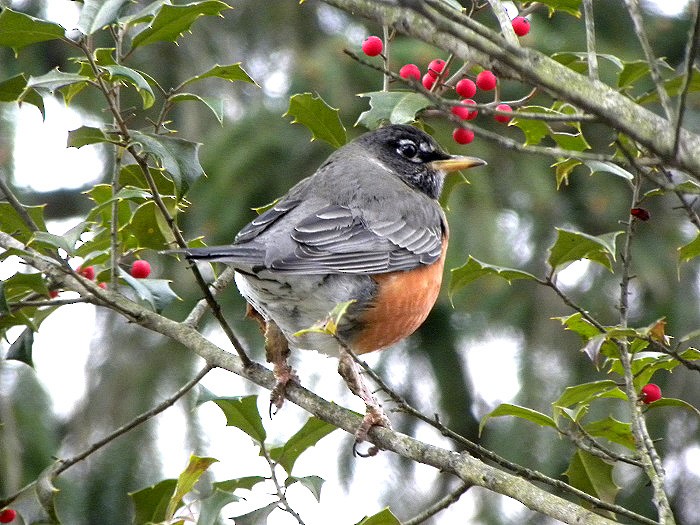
(469,469)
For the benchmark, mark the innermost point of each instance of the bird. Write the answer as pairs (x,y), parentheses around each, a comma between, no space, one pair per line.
(365,229)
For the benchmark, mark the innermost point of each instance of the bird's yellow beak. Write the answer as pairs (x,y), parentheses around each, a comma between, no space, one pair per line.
(456,163)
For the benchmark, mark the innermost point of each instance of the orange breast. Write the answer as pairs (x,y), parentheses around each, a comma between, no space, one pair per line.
(404,299)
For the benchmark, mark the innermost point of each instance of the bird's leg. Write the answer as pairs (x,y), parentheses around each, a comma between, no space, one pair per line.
(277,353)
(347,368)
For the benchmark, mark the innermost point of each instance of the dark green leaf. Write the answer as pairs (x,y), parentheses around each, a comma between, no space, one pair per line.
(211,506)
(396,107)
(568,6)
(474,269)
(572,246)
(134,78)
(576,323)
(54,80)
(242,412)
(179,157)
(506,409)
(231,72)
(14,89)
(689,251)
(613,430)
(18,30)
(593,476)
(20,285)
(247,482)
(321,119)
(631,72)
(215,105)
(12,223)
(156,293)
(597,166)
(97,14)
(672,402)
(85,135)
(21,348)
(149,229)
(151,503)
(171,21)
(186,481)
(587,392)
(384,517)
(313,483)
(256,517)
(312,432)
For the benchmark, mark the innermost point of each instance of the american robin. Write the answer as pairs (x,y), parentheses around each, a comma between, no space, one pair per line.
(366,227)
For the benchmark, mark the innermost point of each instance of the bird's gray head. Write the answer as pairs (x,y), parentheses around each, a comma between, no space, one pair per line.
(414,156)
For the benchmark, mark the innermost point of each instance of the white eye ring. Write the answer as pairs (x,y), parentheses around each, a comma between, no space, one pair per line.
(408,149)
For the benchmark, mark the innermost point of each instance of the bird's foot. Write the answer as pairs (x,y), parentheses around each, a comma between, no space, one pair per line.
(284,373)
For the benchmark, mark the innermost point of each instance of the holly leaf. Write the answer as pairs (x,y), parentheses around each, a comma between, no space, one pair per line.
(571,7)
(689,251)
(21,348)
(322,120)
(171,21)
(151,503)
(255,517)
(136,79)
(242,413)
(86,135)
(12,223)
(18,30)
(572,246)
(474,269)
(597,166)
(211,506)
(313,483)
(246,482)
(231,72)
(672,402)
(384,517)
(215,105)
(311,433)
(14,89)
(592,475)
(396,107)
(179,157)
(613,430)
(54,80)
(97,14)
(506,409)
(186,481)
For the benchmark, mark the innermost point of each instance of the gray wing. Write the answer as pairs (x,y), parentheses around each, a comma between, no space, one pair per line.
(334,239)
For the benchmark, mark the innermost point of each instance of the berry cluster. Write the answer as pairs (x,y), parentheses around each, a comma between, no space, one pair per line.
(140,269)
(466,88)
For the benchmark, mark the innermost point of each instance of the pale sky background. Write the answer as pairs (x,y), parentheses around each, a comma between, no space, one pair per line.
(494,380)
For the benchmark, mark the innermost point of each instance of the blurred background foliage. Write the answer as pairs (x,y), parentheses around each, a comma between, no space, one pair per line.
(505,216)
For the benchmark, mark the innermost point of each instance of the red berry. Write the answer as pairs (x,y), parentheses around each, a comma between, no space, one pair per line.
(465,88)
(640,213)
(53,294)
(428,81)
(650,393)
(503,118)
(521,25)
(464,112)
(462,135)
(486,80)
(410,71)
(88,272)
(372,46)
(8,515)
(141,269)
(435,68)
(102,285)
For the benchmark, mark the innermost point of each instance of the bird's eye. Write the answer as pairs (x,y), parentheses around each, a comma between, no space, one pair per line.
(408,149)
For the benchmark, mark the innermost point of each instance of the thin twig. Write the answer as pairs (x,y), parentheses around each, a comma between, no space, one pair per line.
(590,40)
(281,492)
(636,16)
(483,453)
(645,446)
(440,505)
(385,57)
(504,22)
(691,51)
(65,464)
